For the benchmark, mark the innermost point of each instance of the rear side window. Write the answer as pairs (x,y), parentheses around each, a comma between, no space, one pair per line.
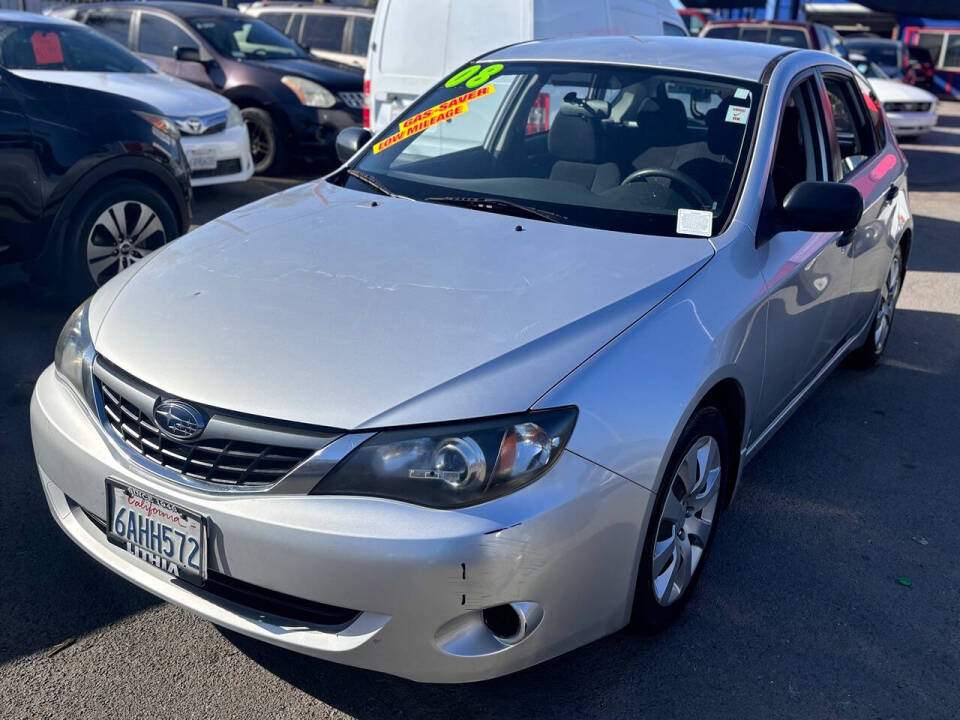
(323,32)
(873,111)
(759,35)
(114,24)
(159,36)
(361,36)
(951,58)
(855,134)
(279,20)
(724,32)
(789,37)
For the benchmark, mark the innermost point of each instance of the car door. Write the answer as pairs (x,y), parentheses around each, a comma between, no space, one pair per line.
(160,38)
(21,202)
(862,157)
(807,274)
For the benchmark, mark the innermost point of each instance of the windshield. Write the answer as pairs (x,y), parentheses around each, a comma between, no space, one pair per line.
(38,46)
(870,70)
(883,55)
(246,39)
(622,148)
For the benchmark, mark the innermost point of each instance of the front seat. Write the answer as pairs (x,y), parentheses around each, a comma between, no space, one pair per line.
(575,139)
(663,123)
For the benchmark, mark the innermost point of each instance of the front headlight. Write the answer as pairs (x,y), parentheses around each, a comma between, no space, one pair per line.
(74,353)
(453,466)
(162,126)
(234,116)
(309,93)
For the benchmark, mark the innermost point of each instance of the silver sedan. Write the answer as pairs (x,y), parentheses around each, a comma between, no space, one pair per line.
(481,395)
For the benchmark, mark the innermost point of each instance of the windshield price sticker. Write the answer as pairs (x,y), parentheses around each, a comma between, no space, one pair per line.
(437,114)
(737,114)
(694,222)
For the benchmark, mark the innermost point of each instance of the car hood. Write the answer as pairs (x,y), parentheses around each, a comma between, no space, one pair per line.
(344,309)
(168,94)
(327,75)
(895,91)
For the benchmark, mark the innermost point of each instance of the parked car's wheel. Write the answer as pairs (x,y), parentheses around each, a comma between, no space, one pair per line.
(871,350)
(266,145)
(683,522)
(112,229)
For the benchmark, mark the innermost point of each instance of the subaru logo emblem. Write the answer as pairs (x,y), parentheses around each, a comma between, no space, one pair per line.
(179,421)
(194,126)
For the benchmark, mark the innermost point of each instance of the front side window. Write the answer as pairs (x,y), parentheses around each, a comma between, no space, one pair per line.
(951,57)
(159,36)
(360,41)
(791,37)
(610,147)
(279,20)
(32,46)
(932,42)
(800,152)
(245,39)
(855,137)
(323,32)
(751,34)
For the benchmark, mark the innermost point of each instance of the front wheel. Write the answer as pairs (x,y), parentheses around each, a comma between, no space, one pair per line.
(683,522)
(111,229)
(266,146)
(875,344)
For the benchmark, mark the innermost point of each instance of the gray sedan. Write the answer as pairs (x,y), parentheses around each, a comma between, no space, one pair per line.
(481,395)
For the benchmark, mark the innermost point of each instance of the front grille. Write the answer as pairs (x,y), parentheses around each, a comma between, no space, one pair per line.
(261,599)
(222,461)
(202,125)
(907,106)
(352,99)
(224,167)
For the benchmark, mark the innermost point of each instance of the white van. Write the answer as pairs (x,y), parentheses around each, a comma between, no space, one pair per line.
(414,43)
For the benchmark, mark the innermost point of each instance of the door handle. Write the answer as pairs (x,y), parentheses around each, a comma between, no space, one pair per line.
(891,194)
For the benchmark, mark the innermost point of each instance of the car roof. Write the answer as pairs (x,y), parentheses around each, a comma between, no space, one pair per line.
(181,9)
(854,42)
(778,23)
(730,58)
(309,7)
(17,16)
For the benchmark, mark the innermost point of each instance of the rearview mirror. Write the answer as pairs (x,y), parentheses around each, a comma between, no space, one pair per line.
(350,140)
(186,54)
(823,207)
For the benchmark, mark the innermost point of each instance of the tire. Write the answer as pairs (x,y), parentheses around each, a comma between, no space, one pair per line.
(874,346)
(660,597)
(125,220)
(266,145)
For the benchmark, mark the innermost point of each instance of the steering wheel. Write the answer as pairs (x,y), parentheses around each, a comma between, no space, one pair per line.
(696,189)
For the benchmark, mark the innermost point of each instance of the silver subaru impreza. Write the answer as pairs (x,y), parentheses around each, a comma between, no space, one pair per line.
(481,395)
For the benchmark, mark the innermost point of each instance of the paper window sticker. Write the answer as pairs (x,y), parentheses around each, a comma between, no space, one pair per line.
(694,222)
(737,114)
(742,94)
(46,48)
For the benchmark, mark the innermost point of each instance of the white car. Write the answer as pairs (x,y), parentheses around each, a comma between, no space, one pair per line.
(212,132)
(912,111)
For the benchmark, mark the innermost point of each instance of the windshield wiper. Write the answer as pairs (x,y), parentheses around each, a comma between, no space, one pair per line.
(373,182)
(505,207)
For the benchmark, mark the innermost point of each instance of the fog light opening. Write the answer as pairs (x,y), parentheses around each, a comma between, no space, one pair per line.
(504,622)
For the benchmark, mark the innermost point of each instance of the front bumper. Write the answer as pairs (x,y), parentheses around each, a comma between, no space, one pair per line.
(230,147)
(316,129)
(912,123)
(419,577)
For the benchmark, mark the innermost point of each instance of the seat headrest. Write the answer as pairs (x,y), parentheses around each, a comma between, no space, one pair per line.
(575,133)
(724,138)
(663,120)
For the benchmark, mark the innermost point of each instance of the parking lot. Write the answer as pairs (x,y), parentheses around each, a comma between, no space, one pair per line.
(834,588)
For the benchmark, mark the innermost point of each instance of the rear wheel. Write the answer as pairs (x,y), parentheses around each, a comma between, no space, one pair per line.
(683,522)
(266,146)
(112,229)
(876,342)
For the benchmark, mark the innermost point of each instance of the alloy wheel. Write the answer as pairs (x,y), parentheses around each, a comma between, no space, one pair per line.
(888,304)
(686,520)
(261,141)
(123,234)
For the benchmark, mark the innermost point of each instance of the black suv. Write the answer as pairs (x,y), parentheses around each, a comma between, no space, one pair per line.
(90,182)
(292,104)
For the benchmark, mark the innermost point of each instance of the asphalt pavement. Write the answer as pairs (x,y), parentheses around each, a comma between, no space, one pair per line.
(833,590)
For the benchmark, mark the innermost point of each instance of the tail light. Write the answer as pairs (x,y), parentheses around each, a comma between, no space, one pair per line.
(539,119)
(367,102)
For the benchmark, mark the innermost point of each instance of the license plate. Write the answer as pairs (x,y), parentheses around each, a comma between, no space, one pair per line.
(158,531)
(202,158)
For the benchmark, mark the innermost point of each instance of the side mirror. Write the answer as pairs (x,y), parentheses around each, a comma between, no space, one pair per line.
(186,54)
(350,140)
(823,207)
